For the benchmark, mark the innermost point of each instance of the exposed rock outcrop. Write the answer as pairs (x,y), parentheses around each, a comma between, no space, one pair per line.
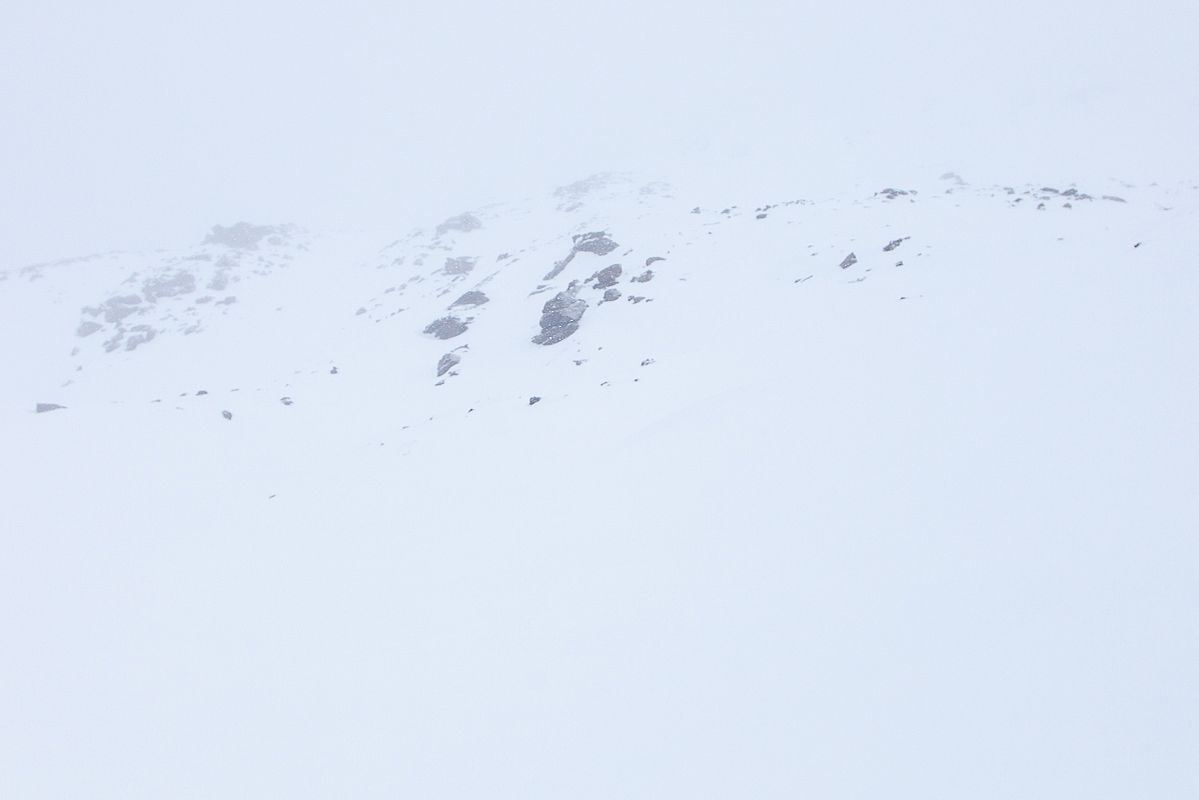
(606,277)
(447,362)
(596,242)
(560,317)
(470,299)
(446,327)
(463,223)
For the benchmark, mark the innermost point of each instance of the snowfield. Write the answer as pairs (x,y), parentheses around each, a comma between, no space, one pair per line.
(923,524)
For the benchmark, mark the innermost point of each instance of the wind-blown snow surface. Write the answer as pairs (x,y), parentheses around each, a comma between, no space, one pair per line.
(778,529)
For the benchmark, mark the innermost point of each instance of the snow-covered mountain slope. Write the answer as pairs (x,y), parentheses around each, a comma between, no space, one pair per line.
(618,491)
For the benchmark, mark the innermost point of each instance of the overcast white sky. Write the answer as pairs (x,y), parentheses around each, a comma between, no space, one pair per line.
(135,124)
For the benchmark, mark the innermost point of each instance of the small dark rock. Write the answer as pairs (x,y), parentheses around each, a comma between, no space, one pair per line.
(534,400)
(611,295)
(849,261)
(42,408)
(227,414)
(644,277)
(287,401)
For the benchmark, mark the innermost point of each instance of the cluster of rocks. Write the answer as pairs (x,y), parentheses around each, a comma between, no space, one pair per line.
(890,193)
(597,242)
(114,309)
(244,236)
(180,282)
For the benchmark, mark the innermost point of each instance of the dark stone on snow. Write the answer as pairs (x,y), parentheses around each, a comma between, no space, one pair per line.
(891,245)
(534,400)
(644,277)
(849,261)
(446,327)
(42,408)
(607,276)
(287,401)
(594,242)
(555,335)
(447,362)
(471,298)
(652,259)
(612,294)
(227,414)
(560,318)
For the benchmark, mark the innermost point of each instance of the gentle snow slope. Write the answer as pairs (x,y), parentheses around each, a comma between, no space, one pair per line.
(927,534)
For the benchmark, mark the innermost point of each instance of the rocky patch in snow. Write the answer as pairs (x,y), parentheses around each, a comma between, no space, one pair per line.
(447,362)
(560,317)
(463,223)
(446,327)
